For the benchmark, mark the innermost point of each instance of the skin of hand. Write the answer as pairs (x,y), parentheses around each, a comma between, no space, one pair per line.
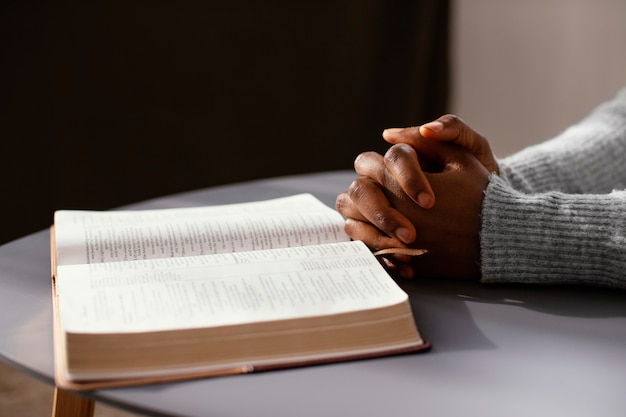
(379,212)
(448,128)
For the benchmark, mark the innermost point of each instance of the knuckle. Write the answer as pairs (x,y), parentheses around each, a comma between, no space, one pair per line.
(384,221)
(397,153)
(358,188)
(348,227)
(359,159)
(340,202)
(364,158)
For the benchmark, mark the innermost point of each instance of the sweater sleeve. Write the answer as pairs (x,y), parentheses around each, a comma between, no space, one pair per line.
(556,214)
(589,157)
(553,238)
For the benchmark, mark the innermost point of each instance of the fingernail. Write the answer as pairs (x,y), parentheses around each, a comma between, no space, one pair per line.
(435,126)
(393,130)
(425,200)
(404,235)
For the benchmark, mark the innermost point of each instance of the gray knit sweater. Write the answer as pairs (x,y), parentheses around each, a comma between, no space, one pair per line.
(556,213)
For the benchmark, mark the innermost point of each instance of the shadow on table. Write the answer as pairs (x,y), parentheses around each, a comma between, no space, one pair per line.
(439,301)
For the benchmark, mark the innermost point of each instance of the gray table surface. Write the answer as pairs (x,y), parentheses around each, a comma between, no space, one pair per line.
(497,350)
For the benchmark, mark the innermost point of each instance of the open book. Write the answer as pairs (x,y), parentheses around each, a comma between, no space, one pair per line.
(161,295)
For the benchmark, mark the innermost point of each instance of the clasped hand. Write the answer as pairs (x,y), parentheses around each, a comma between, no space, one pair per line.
(426,192)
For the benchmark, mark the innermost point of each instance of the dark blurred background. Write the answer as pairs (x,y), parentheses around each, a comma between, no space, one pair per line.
(105,103)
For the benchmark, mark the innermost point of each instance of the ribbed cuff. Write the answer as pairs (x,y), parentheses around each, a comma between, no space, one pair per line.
(553,238)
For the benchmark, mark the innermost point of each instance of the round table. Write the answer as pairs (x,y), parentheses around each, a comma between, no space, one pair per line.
(497,350)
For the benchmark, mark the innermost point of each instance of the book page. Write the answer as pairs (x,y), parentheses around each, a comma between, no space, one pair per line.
(111,236)
(224,289)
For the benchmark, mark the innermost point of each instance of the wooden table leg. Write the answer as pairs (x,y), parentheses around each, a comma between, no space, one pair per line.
(67,404)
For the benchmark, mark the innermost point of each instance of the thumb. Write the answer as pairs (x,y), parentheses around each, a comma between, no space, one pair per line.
(453,129)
